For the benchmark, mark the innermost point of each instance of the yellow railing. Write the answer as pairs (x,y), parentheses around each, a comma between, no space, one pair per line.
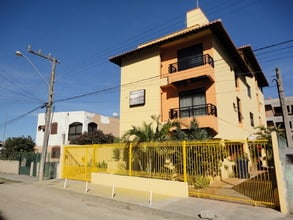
(242,166)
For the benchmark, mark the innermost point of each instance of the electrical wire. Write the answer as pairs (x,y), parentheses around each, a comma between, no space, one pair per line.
(22,115)
(92,60)
(14,84)
(138,81)
(149,33)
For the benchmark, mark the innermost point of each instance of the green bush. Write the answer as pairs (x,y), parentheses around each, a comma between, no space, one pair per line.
(200,182)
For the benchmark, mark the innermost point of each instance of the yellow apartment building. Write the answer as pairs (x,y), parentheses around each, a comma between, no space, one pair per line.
(195,72)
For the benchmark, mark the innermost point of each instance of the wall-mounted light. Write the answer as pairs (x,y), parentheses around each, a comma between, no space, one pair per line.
(234,106)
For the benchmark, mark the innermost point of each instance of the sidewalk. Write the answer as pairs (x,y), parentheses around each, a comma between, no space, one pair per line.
(192,208)
(19,178)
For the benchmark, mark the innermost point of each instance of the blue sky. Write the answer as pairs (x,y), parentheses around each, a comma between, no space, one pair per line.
(83,34)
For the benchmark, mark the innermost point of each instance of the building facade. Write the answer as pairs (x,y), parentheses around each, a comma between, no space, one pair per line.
(274,113)
(66,126)
(195,72)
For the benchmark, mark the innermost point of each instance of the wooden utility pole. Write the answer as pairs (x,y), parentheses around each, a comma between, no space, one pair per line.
(283,105)
(48,113)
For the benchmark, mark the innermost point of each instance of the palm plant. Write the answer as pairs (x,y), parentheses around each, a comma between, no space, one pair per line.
(146,133)
(192,133)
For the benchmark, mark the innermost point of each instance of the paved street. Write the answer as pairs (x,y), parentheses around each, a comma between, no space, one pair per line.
(35,201)
(27,199)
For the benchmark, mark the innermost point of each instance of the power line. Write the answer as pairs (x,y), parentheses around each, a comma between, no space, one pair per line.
(118,86)
(22,115)
(273,45)
(150,33)
(14,84)
(153,31)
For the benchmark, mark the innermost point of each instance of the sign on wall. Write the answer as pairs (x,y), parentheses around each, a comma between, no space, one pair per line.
(137,98)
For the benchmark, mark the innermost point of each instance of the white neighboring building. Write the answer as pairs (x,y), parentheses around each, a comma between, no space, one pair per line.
(274,113)
(66,126)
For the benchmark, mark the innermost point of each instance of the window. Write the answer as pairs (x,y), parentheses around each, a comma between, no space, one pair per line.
(192,103)
(75,130)
(55,152)
(280,125)
(251,119)
(248,91)
(278,111)
(270,123)
(92,128)
(236,79)
(41,128)
(190,57)
(290,109)
(54,127)
(268,107)
(239,110)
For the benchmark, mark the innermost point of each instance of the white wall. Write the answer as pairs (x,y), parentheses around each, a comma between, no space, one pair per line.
(64,119)
(9,166)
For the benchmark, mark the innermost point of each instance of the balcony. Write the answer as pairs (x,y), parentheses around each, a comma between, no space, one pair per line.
(193,111)
(187,70)
(206,116)
(191,62)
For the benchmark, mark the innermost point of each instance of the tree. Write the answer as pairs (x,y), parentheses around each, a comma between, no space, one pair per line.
(148,133)
(192,133)
(13,147)
(162,132)
(265,132)
(97,137)
(157,131)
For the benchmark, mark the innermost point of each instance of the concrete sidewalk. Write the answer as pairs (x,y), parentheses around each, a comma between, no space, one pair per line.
(195,208)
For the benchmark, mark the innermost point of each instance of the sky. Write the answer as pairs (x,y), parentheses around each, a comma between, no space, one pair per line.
(84,34)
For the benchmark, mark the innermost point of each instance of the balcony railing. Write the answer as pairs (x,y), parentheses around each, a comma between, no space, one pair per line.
(192,111)
(191,62)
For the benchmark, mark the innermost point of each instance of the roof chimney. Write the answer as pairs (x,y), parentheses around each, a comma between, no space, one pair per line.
(196,17)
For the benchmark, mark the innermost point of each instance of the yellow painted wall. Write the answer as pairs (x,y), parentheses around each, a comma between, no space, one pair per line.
(170,94)
(164,187)
(149,71)
(227,93)
(136,74)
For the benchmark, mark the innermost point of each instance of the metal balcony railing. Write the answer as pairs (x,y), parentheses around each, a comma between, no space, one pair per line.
(191,62)
(192,111)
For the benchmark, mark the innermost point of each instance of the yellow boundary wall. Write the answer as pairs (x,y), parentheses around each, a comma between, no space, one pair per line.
(165,187)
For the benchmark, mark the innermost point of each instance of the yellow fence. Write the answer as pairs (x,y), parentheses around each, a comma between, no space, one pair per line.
(239,171)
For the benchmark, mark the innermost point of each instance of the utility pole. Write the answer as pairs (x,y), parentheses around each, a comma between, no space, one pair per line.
(48,113)
(282,99)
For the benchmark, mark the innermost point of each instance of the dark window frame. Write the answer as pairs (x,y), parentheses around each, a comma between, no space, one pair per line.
(238,101)
(55,152)
(251,117)
(75,130)
(54,128)
(92,127)
(192,95)
(190,57)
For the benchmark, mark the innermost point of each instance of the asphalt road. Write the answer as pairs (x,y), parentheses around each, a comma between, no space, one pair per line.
(34,201)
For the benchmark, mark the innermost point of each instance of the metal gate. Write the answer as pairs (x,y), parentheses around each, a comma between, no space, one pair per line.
(28,162)
(237,171)
(233,171)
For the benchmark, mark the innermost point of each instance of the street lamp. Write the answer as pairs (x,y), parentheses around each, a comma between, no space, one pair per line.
(20,54)
(48,105)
